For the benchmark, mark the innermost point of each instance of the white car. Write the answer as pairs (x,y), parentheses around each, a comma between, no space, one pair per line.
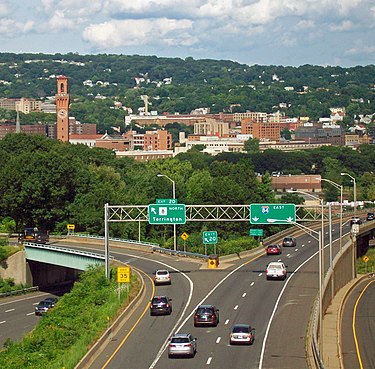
(276,270)
(162,276)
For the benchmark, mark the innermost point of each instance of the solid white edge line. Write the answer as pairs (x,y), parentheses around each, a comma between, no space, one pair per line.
(276,304)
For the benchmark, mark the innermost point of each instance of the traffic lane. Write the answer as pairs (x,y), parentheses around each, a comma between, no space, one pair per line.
(17,315)
(359,306)
(285,346)
(238,299)
(150,332)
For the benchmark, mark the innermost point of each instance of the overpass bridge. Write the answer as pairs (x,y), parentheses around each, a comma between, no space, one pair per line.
(49,265)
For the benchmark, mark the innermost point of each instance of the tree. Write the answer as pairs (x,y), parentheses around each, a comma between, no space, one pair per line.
(251,145)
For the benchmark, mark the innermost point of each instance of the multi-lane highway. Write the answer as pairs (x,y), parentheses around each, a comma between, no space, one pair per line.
(279,311)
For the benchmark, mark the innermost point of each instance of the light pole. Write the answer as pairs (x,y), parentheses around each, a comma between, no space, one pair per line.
(320,257)
(355,214)
(174,196)
(354,191)
(340,187)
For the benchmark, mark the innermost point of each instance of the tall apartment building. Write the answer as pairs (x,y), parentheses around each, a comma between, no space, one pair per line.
(211,127)
(22,105)
(157,140)
(251,115)
(263,131)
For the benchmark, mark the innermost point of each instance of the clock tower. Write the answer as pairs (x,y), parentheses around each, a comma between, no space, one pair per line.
(62,109)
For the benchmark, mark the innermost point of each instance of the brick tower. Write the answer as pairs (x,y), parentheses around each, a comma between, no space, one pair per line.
(62,109)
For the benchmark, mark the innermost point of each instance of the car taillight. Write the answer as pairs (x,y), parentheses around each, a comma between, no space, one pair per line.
(167,305)
(213,316)
(171,345)
(196,316)
(266,270)
(188,345)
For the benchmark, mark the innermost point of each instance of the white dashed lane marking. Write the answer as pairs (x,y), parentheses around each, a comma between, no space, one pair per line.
(209,361)
(236,307)
(8,311)
(252,283)
(244,294)
(218,339)
(226,322)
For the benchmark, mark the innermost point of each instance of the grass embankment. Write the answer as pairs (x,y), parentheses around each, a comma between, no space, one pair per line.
(65,333)
(369,266)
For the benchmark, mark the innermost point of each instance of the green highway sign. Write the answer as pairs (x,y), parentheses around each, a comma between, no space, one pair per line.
(166,201)
(210,238)
(272,213)
(166,213)
(256,232)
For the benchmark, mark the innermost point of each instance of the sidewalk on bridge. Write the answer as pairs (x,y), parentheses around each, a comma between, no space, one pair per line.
(332,324)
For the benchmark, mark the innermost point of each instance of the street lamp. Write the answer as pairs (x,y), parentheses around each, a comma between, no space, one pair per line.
(321,249)
(354,191)
(340,187)
(174,196)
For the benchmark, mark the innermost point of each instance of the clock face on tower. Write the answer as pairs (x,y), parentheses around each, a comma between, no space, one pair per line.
(62,113)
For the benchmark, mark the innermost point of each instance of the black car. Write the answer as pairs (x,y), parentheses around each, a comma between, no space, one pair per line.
(160,305)
(43,307)
(206,315)
(370,216)
(289,242)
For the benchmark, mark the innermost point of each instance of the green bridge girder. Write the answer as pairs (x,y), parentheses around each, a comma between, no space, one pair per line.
(62,256)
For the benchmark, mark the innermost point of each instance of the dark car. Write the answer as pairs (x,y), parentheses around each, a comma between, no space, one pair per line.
(161,305)
(355,220)
(273,250)
(43,307)
(52,300)
(370,216)
(206,315)
(289,242)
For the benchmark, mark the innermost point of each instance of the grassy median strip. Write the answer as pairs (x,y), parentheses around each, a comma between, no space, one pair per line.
(67,331)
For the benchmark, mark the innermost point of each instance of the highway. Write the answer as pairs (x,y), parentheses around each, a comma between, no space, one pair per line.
(279,311)
(17,315)
(358,327)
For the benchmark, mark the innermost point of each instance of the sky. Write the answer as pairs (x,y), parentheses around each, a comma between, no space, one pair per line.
(264,32)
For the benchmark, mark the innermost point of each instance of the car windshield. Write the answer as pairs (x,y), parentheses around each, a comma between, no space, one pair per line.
(44,303)
(162,272)
(180,340)
(204,311)
(158,300)
(240,329)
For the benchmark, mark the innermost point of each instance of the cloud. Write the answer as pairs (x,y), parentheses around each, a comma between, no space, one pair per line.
(138,32)
(10,28)
(361,49)
(345,25)
(4,9)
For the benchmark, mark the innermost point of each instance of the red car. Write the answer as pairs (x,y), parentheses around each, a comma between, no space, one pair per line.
(273,250)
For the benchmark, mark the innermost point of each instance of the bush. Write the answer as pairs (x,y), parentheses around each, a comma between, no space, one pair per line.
(64,334)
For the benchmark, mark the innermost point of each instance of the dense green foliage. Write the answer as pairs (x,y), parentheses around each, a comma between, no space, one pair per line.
(64,334)
(50,184)
(177,85)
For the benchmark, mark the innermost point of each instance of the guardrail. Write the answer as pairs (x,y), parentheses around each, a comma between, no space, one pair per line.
(65,249)
(139,243)
(19,292)
(179,253)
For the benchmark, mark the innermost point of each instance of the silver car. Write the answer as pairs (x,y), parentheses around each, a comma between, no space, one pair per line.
(182,344)
(162,276)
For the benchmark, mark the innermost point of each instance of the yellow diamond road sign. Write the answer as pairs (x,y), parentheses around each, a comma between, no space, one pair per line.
(365,259)
(184,236)
(123,274)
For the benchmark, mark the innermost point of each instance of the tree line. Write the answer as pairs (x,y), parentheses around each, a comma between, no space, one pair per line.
(50,184)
